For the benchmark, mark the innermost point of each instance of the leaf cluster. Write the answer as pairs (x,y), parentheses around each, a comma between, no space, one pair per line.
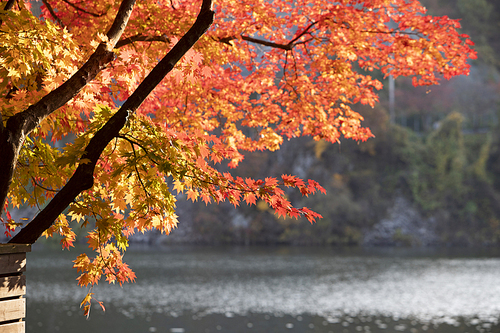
(265,71)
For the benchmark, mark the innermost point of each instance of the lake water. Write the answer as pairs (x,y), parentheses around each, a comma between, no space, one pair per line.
(274,289)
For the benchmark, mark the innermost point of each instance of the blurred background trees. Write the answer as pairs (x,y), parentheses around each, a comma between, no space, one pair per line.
(432,177)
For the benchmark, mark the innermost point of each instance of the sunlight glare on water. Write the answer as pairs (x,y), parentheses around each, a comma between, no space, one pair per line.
(292,282)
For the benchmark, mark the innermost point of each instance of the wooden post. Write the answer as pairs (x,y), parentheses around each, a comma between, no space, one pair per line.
(12,287)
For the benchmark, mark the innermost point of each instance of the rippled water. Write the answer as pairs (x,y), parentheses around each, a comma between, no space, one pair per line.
(186,289)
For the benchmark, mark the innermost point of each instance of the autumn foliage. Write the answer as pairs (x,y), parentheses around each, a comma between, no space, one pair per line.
(151,97)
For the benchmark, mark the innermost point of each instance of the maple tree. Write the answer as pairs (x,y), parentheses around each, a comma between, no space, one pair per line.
(151,96)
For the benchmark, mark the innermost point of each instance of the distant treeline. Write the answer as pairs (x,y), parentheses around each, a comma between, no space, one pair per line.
(447,178)
(430,178)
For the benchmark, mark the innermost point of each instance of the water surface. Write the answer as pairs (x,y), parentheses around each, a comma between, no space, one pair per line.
(275,289)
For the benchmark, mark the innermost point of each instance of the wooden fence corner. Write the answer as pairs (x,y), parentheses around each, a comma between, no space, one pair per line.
(12,287)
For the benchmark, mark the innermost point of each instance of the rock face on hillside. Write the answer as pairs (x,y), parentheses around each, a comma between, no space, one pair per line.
(404,225)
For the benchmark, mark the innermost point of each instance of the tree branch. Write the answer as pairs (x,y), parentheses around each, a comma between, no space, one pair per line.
(41,186)
(9,5)
(52,13)
(287,47)
(83,178)
(83,10)
(303,32)
(135,166)
(141,38)
(21,124)
(1,126)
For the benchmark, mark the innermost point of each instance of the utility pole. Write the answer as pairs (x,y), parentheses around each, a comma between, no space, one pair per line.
(392,112)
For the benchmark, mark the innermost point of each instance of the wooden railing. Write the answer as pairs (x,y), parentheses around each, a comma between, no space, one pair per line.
(12,287)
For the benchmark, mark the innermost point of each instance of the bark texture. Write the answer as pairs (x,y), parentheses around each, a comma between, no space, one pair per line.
(13,135)
(82,179)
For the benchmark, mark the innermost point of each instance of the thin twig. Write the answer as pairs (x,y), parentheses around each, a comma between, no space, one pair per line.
(42,187)
(83,10)
(137,171)
(52,13)
(141,38)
